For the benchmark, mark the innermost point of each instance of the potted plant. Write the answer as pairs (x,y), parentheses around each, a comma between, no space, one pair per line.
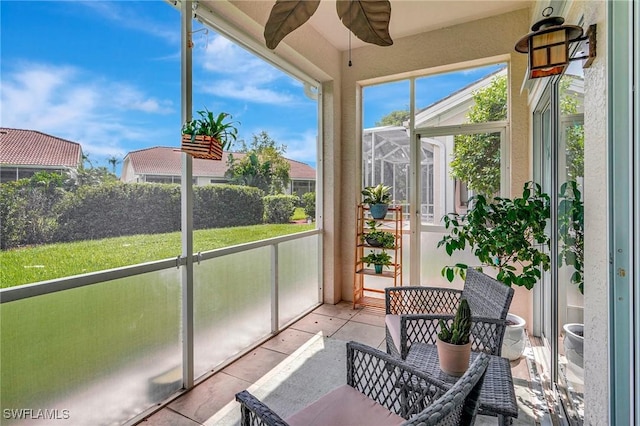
(208,136)
(504,234)
(378,260)
(507,235)
(454,346)
(377,238)
(378,198)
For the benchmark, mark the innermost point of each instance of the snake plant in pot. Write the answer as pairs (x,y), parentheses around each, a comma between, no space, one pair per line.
(453,343)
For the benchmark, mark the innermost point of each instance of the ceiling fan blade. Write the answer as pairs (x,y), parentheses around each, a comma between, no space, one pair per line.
(367,19)
(286,16)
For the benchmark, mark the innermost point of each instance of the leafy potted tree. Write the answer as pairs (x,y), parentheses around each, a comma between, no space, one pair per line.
(378,238)
(378,260)
(507,235)
(454,346)
(208,136)
(378,198)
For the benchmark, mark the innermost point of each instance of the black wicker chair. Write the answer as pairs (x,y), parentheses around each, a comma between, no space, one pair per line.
(412,313)
(381,390)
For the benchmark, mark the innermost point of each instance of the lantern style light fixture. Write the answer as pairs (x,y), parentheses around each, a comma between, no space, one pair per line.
(549,42)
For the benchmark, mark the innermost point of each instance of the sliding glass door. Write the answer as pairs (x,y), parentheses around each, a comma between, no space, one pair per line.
(559,168)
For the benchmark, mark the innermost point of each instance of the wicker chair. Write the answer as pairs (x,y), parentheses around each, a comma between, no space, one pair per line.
(412,313)
(381,390)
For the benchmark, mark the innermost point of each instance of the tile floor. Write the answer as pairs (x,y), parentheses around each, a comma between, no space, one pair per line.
(339,321)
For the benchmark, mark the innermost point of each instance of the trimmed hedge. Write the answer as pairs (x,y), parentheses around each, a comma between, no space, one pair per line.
(130,209)
(221,206)
(39,215)
(279,208)
(114,210)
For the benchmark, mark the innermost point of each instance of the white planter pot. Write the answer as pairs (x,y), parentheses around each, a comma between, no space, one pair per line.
(573,342)
(514,338)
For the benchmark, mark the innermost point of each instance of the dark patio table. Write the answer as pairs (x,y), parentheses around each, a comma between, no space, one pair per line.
(497,397)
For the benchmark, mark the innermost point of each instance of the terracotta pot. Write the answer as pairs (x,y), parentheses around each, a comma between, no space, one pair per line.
(454,359)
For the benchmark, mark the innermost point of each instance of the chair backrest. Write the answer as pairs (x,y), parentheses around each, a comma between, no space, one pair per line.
(487,296)
(459,405)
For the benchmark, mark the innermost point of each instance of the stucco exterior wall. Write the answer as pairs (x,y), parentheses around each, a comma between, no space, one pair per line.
(596,257)
(437,50)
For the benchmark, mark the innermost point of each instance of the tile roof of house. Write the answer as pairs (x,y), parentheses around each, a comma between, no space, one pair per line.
(167,161)
(33,148)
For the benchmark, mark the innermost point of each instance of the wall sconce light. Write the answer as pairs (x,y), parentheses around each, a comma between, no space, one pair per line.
(548,45)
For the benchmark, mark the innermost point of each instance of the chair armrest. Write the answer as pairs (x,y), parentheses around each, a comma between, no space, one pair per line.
(394,384)
(255,412)
(421,300)
(486,333)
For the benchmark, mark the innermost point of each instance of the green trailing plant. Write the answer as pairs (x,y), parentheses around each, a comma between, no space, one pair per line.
(505,234)
(214,126)
(379,194)
(571,231)
(380,258)
(378,238)
(458,333)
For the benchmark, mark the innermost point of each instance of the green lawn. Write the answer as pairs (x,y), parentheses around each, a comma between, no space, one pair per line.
(41,263)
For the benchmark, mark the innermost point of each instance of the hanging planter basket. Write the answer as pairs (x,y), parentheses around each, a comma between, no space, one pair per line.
(202,146)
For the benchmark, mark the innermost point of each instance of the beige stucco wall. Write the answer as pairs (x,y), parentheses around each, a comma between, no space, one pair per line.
(487,38)
(596,258)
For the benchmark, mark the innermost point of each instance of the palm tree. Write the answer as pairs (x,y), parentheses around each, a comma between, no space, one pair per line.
(114,161)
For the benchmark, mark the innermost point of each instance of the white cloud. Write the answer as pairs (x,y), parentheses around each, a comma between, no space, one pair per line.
(238,74)
(64,101)
(303,146)
(134,16)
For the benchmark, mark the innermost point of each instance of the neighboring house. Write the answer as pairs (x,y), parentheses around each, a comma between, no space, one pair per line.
(25,152)
(163,165)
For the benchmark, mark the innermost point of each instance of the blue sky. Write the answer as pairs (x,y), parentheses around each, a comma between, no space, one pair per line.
(107,75)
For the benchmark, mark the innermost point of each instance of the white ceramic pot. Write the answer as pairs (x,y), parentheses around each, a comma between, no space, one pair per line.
(514,338)
(573,343)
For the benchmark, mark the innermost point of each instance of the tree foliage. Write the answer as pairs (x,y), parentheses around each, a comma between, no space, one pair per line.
(476,157)
(263,166)
(394,118)
(505,234)
(574,133)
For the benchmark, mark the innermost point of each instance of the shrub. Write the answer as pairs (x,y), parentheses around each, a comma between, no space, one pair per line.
(118,209)
(309,204)
(27,210)
(220,206)
(279,208)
